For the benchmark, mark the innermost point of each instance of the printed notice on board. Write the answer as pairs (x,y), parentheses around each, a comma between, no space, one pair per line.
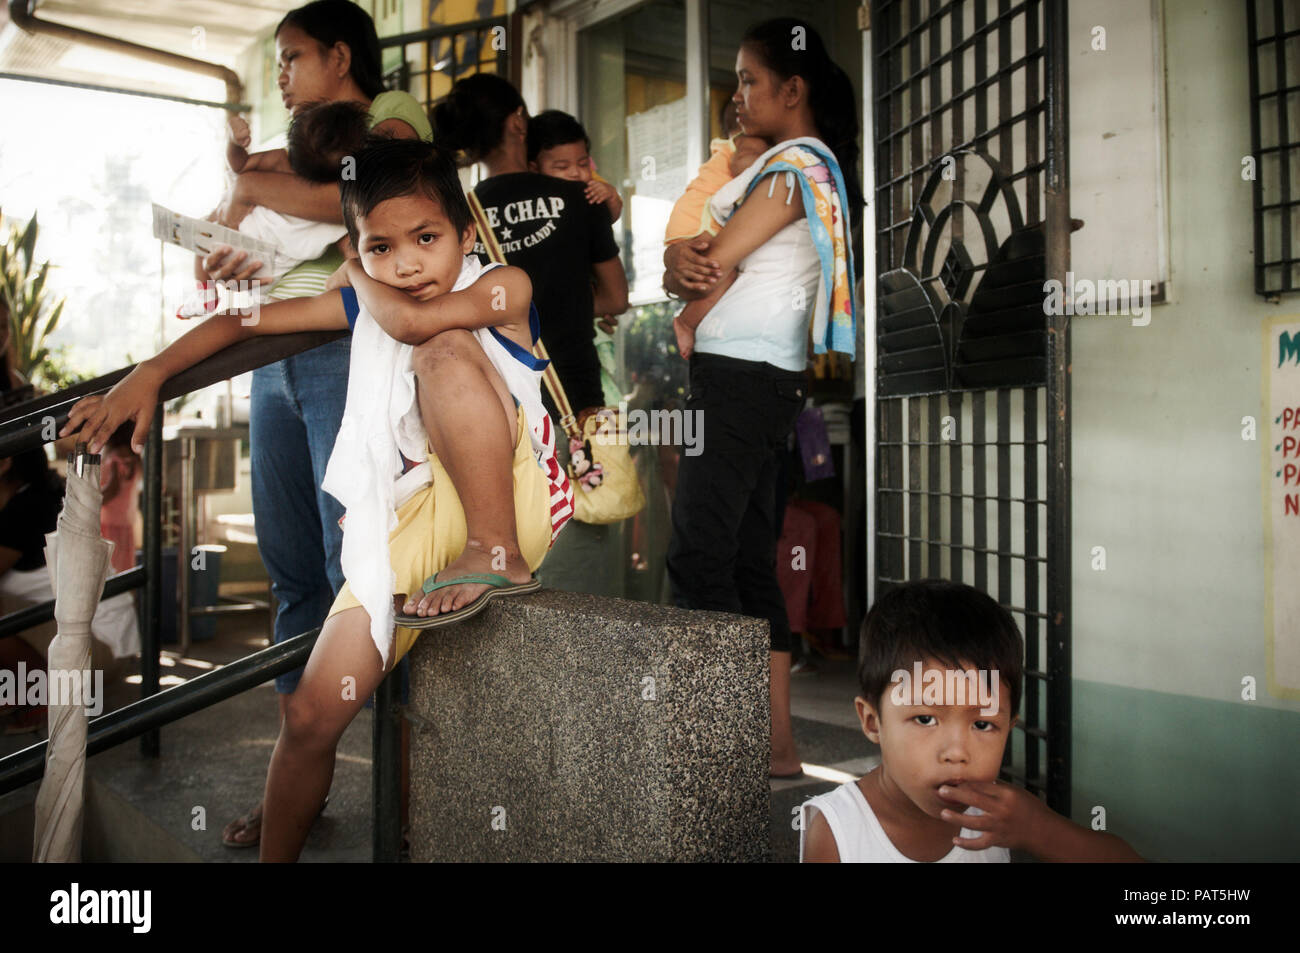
(1281,445)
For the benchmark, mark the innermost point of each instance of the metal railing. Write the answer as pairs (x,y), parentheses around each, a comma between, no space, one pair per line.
(34,423)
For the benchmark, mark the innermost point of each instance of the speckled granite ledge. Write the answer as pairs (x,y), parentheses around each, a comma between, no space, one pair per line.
(562,727)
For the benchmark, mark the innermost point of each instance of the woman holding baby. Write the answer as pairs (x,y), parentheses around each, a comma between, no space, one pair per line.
(783,256)
(326,52)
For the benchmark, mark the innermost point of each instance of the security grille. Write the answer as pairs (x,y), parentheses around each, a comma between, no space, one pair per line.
(432,60)
(972,438)
(1274,30)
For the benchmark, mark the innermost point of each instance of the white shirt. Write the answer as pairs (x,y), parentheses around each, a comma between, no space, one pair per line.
(114,622)
(296,239)
(860,839)
(764,315)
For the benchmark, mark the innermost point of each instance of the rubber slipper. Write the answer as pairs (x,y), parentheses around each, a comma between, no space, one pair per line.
(247,821)
(500,586)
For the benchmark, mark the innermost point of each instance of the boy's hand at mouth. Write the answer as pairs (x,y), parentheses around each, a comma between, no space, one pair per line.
(1016,819)
(1012,816)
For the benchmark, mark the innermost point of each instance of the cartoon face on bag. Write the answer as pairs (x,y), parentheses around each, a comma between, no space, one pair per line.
(581,465)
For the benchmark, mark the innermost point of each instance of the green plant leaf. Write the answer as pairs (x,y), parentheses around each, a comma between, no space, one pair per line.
(53,322)
(39,281)
(28,242)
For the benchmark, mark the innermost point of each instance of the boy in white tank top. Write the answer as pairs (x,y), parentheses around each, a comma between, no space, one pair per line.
(940,678)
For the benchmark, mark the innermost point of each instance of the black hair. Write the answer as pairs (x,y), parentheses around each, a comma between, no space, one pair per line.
(30,466)
(342,21)
(830,92)
(388,168)
(954,624)
(321,135)
(552,128)
(120,439)
(471,120)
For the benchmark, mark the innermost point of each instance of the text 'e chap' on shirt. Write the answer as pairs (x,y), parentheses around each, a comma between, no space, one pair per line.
(547,227)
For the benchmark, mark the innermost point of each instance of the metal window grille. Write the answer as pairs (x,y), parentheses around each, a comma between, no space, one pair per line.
(433,59)
(972,438)
(1274,50)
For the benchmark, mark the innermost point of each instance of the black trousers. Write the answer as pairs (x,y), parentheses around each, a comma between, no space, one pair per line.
(725,526)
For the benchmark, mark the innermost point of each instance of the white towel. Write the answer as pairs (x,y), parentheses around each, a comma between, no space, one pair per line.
(381,422)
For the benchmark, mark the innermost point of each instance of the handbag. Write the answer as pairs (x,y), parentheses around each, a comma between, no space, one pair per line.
(606,488)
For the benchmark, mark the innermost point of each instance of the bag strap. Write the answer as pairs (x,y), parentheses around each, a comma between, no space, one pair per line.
(552,379)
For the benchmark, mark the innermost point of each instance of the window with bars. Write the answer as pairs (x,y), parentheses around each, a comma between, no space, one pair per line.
(432,60)
(970,416)
(1273,27)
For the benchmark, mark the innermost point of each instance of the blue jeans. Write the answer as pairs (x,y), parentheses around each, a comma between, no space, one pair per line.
(296,407)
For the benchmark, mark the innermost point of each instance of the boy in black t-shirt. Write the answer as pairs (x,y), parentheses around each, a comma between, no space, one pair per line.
(547,227)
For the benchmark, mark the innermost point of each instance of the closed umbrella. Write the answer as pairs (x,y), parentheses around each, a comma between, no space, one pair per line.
(78,563)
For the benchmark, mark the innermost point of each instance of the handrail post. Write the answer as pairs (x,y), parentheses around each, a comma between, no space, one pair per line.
(385,776)
(151,627)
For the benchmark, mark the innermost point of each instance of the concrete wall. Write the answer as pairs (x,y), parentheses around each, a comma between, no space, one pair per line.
(1164,481)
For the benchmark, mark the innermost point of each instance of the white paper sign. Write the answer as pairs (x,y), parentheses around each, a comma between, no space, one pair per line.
(1280,434)
(656,151)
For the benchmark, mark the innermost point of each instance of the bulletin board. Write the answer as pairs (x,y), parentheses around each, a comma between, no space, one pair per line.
(1279,435)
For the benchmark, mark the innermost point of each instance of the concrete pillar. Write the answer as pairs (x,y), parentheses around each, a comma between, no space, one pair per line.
(565,727)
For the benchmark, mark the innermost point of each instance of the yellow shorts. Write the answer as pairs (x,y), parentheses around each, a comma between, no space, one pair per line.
(430,529)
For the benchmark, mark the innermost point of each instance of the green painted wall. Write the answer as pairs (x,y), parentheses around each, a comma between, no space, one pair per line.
(1185,779)
(1163,480)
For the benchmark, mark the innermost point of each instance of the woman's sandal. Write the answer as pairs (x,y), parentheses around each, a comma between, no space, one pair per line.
(254,816)
(500,586)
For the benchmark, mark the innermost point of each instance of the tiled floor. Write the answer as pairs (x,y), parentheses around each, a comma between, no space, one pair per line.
(216,760)
(831,746)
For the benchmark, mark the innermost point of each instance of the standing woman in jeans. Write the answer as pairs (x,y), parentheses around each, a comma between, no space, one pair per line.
(747,371)
(547,227)
(326,51)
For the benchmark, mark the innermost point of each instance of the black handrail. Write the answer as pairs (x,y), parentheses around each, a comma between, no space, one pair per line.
(24,619)
(151,713)
(29,425)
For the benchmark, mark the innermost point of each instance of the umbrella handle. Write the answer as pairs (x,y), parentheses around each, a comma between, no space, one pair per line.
(79,459)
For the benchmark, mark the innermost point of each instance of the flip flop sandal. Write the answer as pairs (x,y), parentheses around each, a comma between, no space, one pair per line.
(501,586)
(247,821)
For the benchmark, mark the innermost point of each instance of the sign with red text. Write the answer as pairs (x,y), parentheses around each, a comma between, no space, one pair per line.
(1280,437)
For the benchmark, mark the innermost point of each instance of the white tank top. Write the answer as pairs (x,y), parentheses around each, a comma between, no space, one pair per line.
(764,315)
(860,839)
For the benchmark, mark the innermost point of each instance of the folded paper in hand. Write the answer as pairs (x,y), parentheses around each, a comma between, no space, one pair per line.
(200,236)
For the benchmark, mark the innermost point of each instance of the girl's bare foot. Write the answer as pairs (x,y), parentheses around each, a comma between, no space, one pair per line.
(478,557)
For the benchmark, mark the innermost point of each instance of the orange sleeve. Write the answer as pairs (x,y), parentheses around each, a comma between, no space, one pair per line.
(690,215)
